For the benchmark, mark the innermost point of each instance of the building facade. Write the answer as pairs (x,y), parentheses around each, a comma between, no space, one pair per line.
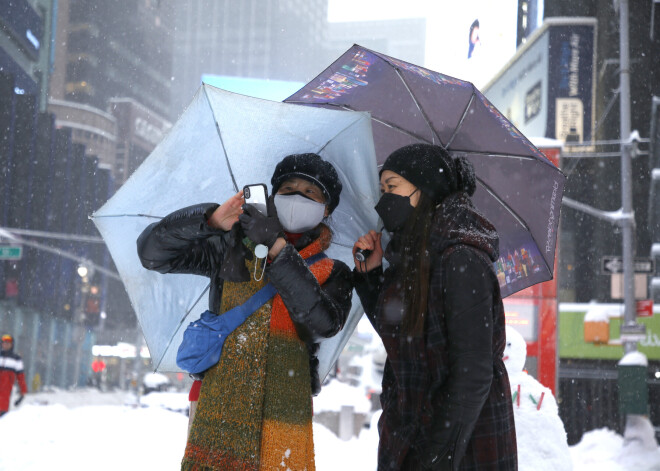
(251,38)
(139,130)
(112,48)
(109,53)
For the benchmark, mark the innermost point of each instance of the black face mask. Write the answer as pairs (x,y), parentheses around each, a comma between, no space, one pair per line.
(394,210)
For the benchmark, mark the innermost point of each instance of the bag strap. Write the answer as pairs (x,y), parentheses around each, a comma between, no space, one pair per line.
(317,257)
(238,314)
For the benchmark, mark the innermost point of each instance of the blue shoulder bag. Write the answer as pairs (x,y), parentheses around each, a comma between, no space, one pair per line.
(204,338)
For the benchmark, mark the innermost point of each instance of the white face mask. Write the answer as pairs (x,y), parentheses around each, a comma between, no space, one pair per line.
(298,214)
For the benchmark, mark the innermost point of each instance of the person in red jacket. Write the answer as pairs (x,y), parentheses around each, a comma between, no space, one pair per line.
(11,370)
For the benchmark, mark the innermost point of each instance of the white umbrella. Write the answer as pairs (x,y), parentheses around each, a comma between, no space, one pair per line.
(222,142)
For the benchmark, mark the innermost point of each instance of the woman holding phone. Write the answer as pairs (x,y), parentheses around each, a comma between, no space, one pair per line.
(255,409)
(438,309)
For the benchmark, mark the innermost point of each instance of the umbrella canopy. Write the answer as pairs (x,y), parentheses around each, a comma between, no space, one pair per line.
(222,142)
(518,188)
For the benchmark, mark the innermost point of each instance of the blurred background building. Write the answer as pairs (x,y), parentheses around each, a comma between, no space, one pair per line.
(251,39)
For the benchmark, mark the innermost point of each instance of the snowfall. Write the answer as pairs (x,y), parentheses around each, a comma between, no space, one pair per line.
(110,431)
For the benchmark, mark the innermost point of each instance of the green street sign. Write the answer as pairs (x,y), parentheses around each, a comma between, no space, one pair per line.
(11,252)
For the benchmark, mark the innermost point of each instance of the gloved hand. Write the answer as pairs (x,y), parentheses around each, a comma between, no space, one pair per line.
(233,265)
(19,400)
(258,227)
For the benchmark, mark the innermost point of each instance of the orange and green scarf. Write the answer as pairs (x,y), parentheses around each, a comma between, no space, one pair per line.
(255,407)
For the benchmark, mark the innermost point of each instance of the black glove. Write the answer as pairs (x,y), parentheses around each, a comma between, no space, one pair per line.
(19,400)
(233,265)
(258,227)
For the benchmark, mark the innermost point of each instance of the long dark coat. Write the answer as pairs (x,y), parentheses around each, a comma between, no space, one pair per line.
(446,398)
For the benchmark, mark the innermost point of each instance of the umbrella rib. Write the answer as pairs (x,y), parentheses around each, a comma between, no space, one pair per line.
(496,154)
(419,107)
(373,118)
(401,130)
(515,215)
(504,204)
(222,143)
(348,126)
(460,122)
(510,156)
(179,325)
(96,216)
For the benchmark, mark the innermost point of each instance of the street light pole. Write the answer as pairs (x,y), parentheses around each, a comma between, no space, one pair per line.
(626,175)
(79,329)
(632,369)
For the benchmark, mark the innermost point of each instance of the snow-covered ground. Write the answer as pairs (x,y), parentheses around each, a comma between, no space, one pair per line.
(90,430)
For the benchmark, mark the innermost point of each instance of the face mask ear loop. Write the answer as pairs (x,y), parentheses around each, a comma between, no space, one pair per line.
(260,252)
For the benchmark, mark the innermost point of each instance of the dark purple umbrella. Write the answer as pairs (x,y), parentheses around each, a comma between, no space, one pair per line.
(518,188)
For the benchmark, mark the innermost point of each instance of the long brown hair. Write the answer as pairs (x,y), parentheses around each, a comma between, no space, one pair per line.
(416,265)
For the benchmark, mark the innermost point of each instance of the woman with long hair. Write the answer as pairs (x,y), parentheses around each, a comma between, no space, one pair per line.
(438,309)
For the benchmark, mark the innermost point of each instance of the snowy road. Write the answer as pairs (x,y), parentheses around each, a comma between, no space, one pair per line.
(95,431)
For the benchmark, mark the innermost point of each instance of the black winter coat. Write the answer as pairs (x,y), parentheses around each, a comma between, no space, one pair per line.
(183,242)
(446,398)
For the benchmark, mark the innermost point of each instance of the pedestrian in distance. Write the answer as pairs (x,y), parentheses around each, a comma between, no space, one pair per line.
(98,368)
(11,371)
(255,405)
(438,309)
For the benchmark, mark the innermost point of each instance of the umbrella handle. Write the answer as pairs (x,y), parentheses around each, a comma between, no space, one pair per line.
(361,255)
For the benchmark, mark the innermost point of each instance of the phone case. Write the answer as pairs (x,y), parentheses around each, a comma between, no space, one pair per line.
(257,195)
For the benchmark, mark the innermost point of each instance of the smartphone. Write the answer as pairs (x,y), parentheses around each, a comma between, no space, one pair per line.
(257,195)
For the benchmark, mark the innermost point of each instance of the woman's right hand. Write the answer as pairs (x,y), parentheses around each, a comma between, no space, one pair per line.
(226,215)
(369,241)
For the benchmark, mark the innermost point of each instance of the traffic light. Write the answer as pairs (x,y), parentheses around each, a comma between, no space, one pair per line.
(92,307)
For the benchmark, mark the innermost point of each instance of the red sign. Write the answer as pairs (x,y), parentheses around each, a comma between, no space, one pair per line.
(645,308)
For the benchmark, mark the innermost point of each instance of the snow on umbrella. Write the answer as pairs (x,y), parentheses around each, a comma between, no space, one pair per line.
(222,142)
(518,188)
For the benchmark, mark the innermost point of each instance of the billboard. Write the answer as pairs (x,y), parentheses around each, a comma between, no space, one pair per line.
(571,334)
(547,88)
(473,41)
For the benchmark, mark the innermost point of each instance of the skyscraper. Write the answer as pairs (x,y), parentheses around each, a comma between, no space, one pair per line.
(107,50)
(112,48)
(250,38)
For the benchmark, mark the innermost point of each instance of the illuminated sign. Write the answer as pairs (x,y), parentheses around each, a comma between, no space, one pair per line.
(523,316)
(23,23)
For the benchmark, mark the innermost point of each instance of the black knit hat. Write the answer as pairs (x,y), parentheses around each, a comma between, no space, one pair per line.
(313,168)
(431,169)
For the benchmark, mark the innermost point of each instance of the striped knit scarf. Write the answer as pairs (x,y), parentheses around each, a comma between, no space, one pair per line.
(255,408)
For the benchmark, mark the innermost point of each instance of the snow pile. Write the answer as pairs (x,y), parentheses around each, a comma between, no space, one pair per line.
(605,450)
(601,313)
(634,359)
(358,453)
(336,394)
(81,397)
(155,380)
(540,432)
(102,438)
(176,402)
